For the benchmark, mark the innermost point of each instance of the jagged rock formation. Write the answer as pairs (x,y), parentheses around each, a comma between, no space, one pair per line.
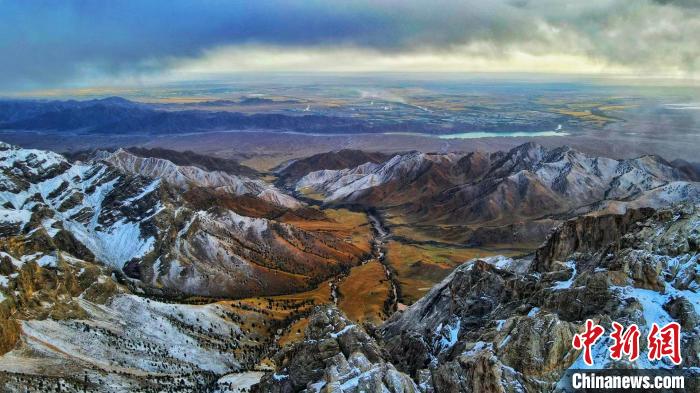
(506,325)
(335,356)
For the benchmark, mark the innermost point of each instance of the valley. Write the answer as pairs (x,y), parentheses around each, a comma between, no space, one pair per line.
(349,196)
(132,267)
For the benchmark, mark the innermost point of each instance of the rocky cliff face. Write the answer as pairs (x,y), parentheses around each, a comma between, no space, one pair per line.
(506,325)
(335,356)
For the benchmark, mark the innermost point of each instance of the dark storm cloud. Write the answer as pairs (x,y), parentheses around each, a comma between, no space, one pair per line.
(48,43)
(680,3)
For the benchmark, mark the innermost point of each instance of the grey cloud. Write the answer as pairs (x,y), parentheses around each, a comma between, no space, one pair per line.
(74,40)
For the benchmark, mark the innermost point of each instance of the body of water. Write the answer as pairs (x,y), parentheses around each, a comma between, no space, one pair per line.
(473,135)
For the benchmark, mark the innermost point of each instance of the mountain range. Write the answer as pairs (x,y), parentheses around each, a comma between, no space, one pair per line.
(484,196)
(150,269)
(141,215)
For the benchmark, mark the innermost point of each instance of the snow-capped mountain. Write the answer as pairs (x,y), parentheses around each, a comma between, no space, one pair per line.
(186,176)
(290,172)
(128,212)
(501,197)
(91,204)
(348,184)
(81,243)
(511,181)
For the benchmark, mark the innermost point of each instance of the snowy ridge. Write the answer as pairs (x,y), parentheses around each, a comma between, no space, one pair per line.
(527,181)
(75,195)
(340,184)
(186,176)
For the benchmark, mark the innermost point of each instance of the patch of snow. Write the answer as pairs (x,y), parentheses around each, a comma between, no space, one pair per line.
(342,331)
(567,284)
(478,347)
(447,335)
(47,261)
(317,386)
(499,324)
(13,216)
(238,382)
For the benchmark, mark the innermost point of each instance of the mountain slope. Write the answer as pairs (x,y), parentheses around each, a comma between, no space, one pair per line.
(191,158)
(143,225)
(76,325)
(110,214)
(291,172)
(378,182)
(187,176)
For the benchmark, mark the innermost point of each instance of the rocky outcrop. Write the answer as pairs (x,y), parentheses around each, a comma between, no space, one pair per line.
(506,325)
(336,356)
(586,234)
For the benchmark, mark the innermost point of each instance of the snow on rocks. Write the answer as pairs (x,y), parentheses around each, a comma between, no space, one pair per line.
(77,195)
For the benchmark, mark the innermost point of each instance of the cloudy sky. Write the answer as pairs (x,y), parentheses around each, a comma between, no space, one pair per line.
(46,44)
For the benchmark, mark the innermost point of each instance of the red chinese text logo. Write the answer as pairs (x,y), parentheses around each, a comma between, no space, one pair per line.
(661,341)
(625,342)
(586,340)
(665,342)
